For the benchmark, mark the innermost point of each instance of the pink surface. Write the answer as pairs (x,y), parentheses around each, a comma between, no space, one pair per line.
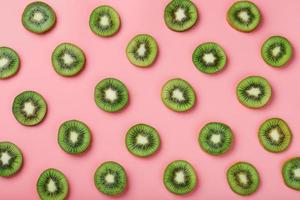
(72,98)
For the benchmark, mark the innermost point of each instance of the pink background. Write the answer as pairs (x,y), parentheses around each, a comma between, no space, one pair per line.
(72,98)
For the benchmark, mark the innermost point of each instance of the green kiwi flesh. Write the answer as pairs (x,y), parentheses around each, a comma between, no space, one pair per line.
(29,108)
(275,135)
(11,159)
(291,173)
(244,16)
(104,21)
(68,59)
(180,177)
(142,50)
(74,137)
(9,62)
(142,140)
(243,178)
(38,17)
(110,178)
(52,185)
(277,51)
(215,138)
(180,15)
(254,92)
(209,58)
(178,95)
(111,95)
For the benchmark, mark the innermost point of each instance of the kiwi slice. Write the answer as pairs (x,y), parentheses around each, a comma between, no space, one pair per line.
(244,16)
(243,178)
(277,51)
(291,173)
(180,177)
(52,185)
(178,95)
(9,62)
(275,135)
(111,95)
(142,140)
(110,178)
(74,137)
(29,108)
(209,58)
(38,17)
(215,138)
(254,92)
(104,21)
(68,59)
(142,50)
(180,15)
(11,159)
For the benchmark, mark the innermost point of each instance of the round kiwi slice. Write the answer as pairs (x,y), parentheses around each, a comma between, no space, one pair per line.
(111,95)
(254,92)
(291,173)
(68,59)
(243,16)
(277,51)
(9,62)
(52,185)
(142,50)
(180,15)
(11,159)
(180,177)
(29,108)
(110,178)
(104,21)
(142,140)
(74,136)
(275,135)
(215,138)
(38,17)
(243,178)
(209,58)
(178,95)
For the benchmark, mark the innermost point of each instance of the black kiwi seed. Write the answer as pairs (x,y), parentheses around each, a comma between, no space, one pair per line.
(38,17)
(9,62)
(11,159)
(29,108)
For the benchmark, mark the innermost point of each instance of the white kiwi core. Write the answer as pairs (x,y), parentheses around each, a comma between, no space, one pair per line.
(178,94)
(29,108)
(5,158)
(254,91)
(244,16)
(180,15)
(51,186)
(111,94)
(209,58)
(109,178)
(179,177)
(142,140)
(3,62)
